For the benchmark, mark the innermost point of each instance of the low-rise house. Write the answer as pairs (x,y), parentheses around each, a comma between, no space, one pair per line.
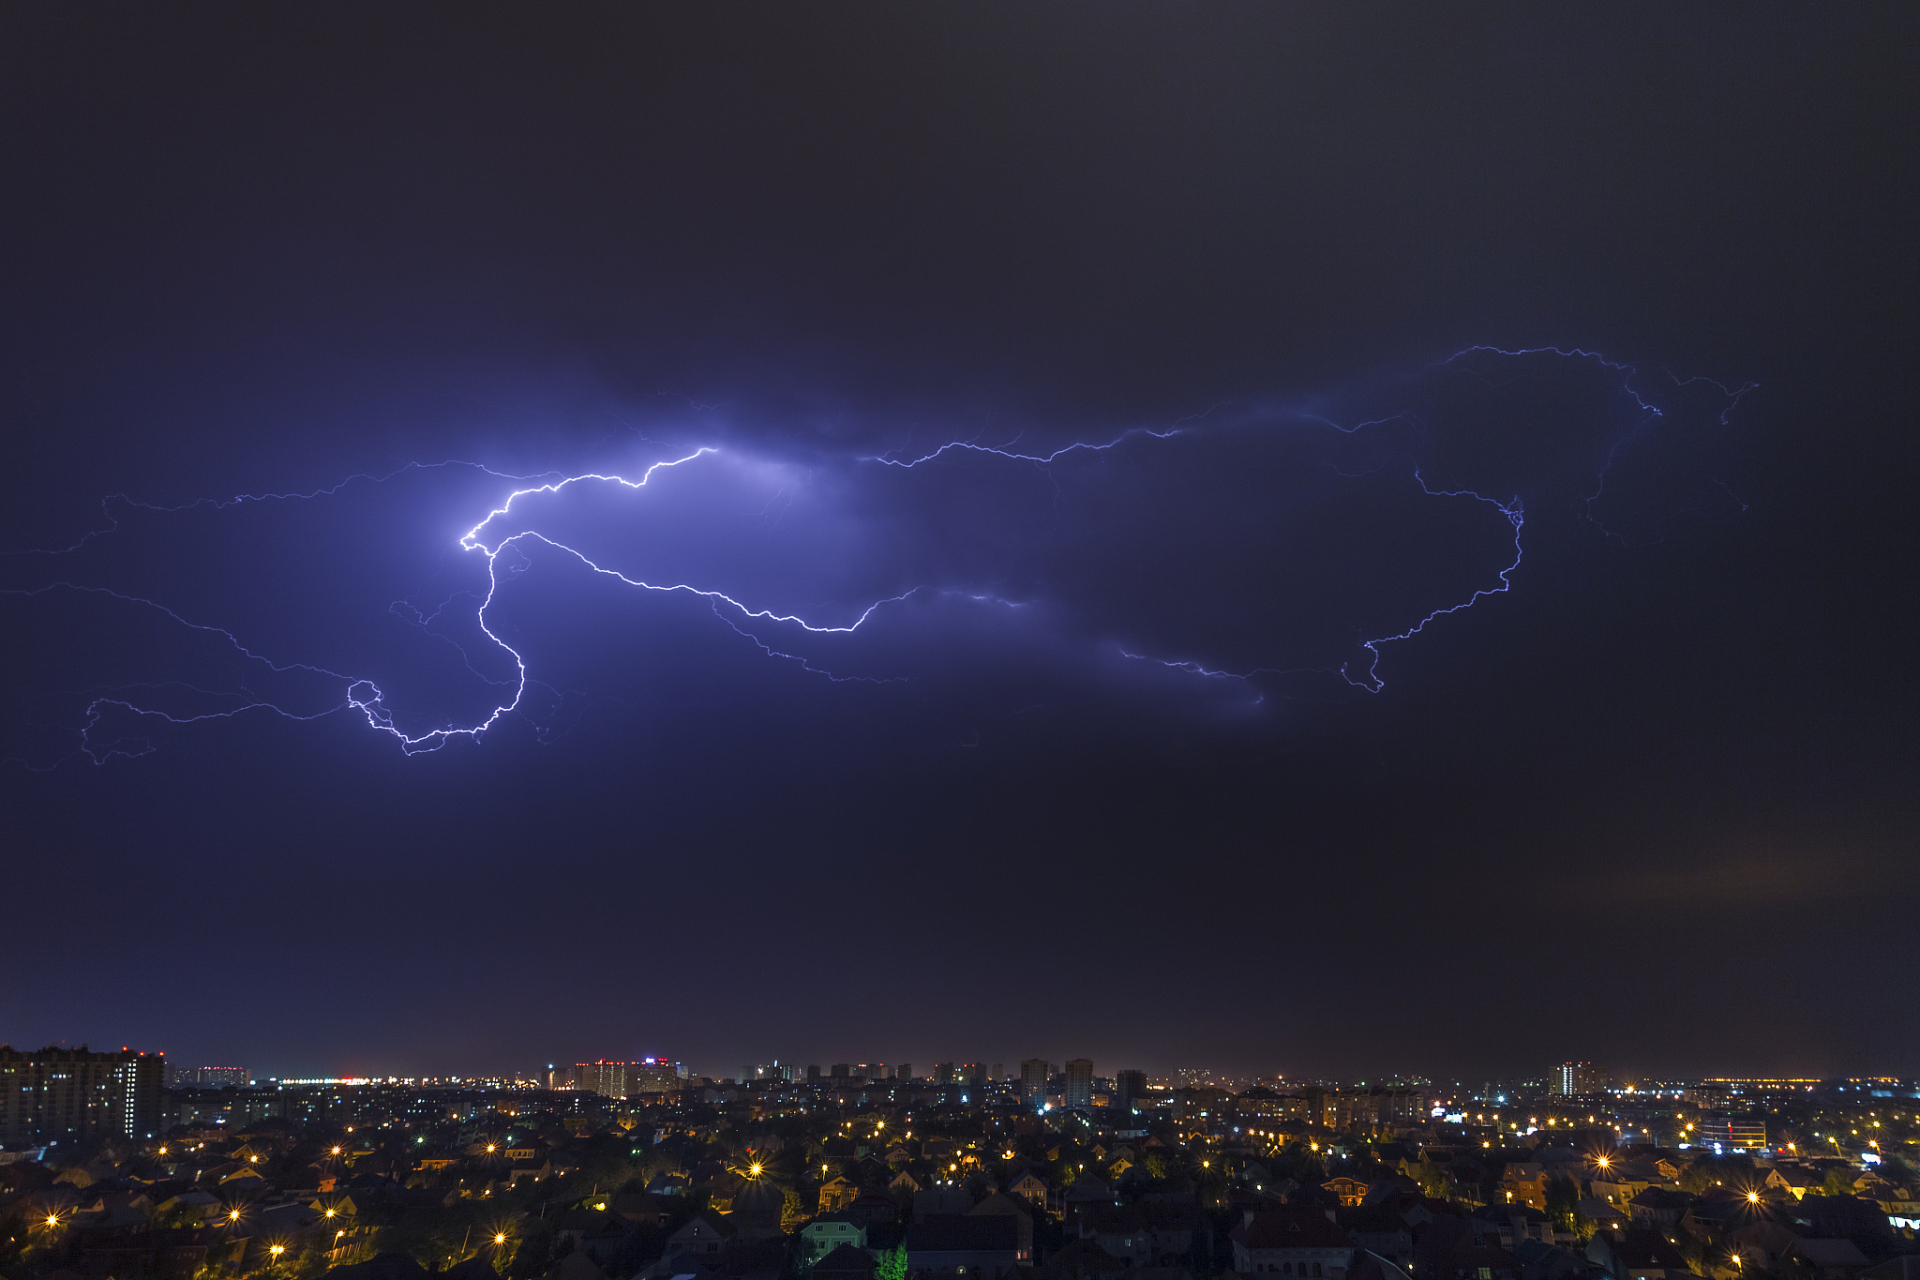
(641,1208)
(826,1233)
(1524,1182)
(1144,1234)
(1300,1243)
(1550,1262)
(705,1235)
(1638,1253)
(668,1184)
(1005,1205)
(985,1246)
(1029,1187)
(940,1202)
(1601,1214)
(844,1262)
(1378,1229)
(597,1234)
(1829,1259)
(1348,1191)
(1658,1206)
(1082,1260)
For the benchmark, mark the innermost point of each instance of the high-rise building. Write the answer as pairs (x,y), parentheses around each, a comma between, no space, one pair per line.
(1579,1080)
(623,1079)
(1740,1134)
(1080,1084)
(813,1073)
(999,1072)
(973,1074)
(608,1079)
(1033,1082)
(53,1094)
(904,1071)
(943,1073)
(1128,1088)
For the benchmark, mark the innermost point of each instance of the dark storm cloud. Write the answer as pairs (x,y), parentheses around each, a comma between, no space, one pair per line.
(258,250)
(1253,549)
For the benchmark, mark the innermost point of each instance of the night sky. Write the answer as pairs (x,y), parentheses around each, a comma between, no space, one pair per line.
(1333,540)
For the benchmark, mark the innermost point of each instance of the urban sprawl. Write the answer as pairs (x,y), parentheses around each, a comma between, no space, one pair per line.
(121,1166)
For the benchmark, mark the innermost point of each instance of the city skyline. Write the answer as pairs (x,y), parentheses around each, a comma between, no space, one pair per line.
(1565,1076)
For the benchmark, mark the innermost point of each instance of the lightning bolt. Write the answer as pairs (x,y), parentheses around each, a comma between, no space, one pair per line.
(1516,516)
(502,528)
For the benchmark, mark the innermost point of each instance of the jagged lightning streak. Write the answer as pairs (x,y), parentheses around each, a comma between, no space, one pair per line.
(969,446)
(364,695)
(95,708)
(1513,511)
(1516,516)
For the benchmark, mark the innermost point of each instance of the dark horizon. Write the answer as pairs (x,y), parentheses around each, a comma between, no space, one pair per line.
(1474,631)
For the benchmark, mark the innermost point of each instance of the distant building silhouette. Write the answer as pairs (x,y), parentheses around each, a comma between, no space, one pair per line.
(1033,1082)
(1080,1084)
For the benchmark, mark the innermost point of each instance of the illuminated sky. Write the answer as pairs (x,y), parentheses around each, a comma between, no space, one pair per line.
(1245,538)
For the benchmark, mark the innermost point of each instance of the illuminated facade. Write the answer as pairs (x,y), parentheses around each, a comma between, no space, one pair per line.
(52,1094)
(1732,1135)
(628,1079)
(1579,1080)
